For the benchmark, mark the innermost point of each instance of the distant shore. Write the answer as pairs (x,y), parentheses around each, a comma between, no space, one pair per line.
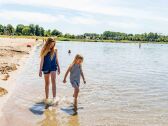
(110,41)
(82,40)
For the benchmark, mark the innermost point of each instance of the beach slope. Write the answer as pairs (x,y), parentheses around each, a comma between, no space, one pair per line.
(13,53)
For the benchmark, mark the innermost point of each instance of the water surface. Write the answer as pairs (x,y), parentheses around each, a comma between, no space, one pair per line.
(126,86)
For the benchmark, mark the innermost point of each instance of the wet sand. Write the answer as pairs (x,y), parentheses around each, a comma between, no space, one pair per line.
(13,53)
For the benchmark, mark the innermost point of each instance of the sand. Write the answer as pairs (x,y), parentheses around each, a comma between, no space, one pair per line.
(13,54)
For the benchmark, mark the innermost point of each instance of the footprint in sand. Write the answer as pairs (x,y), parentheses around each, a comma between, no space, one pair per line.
(5,77)
(3,91)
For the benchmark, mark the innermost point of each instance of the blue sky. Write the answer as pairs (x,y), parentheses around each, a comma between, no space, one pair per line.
(80,16)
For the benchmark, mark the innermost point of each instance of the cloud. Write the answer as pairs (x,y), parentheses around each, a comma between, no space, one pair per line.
(83,20)
(99,6)
(30,16)
(36,17)
(124,25)
(125,16)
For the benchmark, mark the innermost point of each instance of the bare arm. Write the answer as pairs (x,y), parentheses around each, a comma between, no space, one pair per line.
(83,77)
(57,62)
(41,66)
(66,74)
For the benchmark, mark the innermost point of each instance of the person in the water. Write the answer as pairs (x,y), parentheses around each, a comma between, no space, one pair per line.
(76,72)
(49,64)
(69,51)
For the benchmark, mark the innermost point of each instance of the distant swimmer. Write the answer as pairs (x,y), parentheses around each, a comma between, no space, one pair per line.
(69,51)
(139,44)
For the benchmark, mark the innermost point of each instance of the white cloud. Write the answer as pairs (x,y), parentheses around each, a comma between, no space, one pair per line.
(124,25)
(95,6)
(121,15)
(30,16)
(83,20)
(36,17)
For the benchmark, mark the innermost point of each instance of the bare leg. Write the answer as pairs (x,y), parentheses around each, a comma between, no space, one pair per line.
(47,82)
(76,91)
(53,80)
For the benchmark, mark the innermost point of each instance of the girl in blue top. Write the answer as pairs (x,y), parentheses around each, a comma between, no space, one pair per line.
(49,65)
(76,72)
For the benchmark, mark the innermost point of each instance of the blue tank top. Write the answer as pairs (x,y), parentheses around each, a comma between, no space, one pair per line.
(49,64)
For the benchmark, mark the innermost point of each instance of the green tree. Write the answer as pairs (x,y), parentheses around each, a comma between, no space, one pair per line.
(107,35)
(19,29)
(1,29)
(32,29)
(26,30)
(47,33)
(42,31)
(55,32)
(67,35)
(151,36)
(37,30)
(10,29)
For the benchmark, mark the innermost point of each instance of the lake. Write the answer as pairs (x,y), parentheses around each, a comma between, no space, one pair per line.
(126,86)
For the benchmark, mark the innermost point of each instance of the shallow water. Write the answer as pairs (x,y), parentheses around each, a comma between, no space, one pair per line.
(126,86)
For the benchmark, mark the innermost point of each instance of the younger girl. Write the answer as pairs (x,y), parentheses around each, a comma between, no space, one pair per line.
(49,65)
(75,70)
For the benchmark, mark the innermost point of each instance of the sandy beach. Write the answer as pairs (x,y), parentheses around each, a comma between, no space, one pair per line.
(13,54)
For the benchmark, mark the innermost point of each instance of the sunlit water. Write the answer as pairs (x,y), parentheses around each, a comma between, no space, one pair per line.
(126,86)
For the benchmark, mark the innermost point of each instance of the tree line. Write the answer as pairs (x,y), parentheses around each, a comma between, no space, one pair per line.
(118,36)
(30,30)
(36,30)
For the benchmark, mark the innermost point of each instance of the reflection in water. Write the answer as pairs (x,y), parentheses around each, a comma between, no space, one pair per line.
(50,118)
(73,121)
(72,115)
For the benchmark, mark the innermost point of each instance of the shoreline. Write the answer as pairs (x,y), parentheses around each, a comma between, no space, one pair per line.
(83,40)
(10,84)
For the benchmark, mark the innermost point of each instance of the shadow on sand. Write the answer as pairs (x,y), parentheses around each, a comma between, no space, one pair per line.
(38,108)
(70,110)
(52,117)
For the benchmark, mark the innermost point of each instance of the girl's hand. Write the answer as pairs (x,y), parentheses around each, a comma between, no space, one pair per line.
(58,71)
(40,73)
(64,81)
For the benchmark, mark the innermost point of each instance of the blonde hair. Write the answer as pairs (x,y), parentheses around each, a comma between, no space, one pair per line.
(46,48)
(77,57)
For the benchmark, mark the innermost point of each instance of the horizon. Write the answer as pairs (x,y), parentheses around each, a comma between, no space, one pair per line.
(85,16)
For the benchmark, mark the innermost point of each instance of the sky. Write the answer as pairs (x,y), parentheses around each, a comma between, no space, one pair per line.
(91,16)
